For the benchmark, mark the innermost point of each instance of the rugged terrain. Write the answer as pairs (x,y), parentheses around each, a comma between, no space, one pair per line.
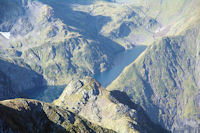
(46,45)
(89,99)
(25,115)
(71,39)
(165,81)
(50,47)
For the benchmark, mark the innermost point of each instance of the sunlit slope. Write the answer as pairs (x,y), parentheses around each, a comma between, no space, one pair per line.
(165,80)
(137,22)
(89,99)
(49,44)
(62,40)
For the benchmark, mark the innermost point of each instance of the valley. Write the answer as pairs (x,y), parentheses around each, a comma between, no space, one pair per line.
(121,60)
(92,65)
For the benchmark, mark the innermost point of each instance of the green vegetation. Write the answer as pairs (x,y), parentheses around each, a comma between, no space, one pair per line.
(54,42)
(164,80)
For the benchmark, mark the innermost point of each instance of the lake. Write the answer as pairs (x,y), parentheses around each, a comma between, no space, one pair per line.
(121,60)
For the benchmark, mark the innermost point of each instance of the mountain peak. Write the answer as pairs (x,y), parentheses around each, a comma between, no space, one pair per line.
(89,99)
(79,92)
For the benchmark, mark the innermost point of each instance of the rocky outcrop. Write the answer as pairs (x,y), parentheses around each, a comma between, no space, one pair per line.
(24,115)
(89,99)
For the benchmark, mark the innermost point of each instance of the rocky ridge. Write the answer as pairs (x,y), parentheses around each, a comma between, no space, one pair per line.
(25,115)
(89,99)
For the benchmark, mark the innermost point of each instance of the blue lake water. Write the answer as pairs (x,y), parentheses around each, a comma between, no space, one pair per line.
(121,60)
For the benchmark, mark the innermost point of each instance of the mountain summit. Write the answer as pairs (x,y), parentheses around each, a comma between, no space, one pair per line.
(89,99)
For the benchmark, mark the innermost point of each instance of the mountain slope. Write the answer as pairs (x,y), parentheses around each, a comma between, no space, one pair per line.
(5,90)
(49,45)
(141,21)
(109,109)
(65,40)
(45,44)
(23,115)
(165,81)
(18,79)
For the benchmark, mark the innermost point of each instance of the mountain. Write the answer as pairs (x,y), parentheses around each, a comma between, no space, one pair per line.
(165,81)
(46,45)
(89,99)
(56,50)
(25,115)
(141,22)
(72,39)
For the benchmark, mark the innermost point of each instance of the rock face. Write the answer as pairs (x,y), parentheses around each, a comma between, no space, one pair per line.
(165,81)
(89,99)
(23,115)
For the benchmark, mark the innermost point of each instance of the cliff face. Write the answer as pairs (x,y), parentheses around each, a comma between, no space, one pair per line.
(23,115)
(89,99)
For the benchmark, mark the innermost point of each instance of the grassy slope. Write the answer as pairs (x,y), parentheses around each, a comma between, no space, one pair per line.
(165,79)
(62,41)
(54,43)
(142,22)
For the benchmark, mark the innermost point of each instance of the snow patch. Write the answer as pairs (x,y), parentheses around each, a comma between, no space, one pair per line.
(5,34)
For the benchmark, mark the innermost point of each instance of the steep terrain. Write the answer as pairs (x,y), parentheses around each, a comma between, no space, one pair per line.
(165,81)
(48,44)
(89,99)
(18,79)
(5,90)
(31,116)
(71,39)
(136,22)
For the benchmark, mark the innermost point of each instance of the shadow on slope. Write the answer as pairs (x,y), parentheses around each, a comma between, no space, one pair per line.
(143,120)
(33,120)
(9,17)
(21,80)
(5,87)
(49,93)
(87,25)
